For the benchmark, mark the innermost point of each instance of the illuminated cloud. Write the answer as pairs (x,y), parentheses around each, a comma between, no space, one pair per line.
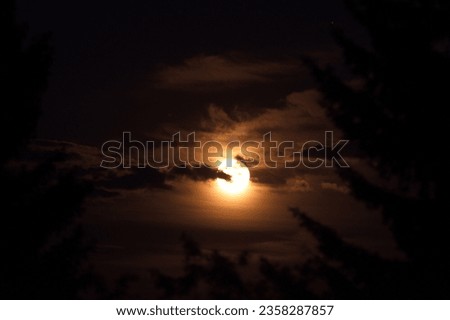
(335,187)
(206,71)
(298,184)
(302,118)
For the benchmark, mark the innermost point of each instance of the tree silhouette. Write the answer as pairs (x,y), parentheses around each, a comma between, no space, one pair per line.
(41,246)
(395,114)
(24,72)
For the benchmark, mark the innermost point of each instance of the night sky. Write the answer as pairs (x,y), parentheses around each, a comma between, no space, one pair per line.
(226,70)
(112,61)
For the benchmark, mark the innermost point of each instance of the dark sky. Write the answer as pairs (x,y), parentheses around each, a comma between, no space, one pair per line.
(106,56)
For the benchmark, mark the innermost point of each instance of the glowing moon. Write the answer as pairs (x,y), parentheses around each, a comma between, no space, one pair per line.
(240,177)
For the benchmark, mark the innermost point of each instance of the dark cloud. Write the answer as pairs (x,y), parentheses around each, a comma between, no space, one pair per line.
(103,193)
(285,180)
(137,178)
(85,162)
(269,177)
(202,173)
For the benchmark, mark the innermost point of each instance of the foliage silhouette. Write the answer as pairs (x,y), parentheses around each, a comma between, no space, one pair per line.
(41,244)
(395,115)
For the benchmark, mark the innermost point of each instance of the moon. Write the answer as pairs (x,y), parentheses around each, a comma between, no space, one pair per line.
(240,177)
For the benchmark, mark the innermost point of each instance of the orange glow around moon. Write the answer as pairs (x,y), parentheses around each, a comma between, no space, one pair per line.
(240,177)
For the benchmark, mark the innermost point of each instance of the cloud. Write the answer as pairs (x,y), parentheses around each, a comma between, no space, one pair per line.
(84,161)
(282,180)
(137,178)
(302,115)
(213,70)
(271,177)
(203,173)
(298,184)
(301,119)
(335,187)
(217,119)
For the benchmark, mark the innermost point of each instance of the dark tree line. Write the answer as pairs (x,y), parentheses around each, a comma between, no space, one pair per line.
(41,245)
(396,114)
